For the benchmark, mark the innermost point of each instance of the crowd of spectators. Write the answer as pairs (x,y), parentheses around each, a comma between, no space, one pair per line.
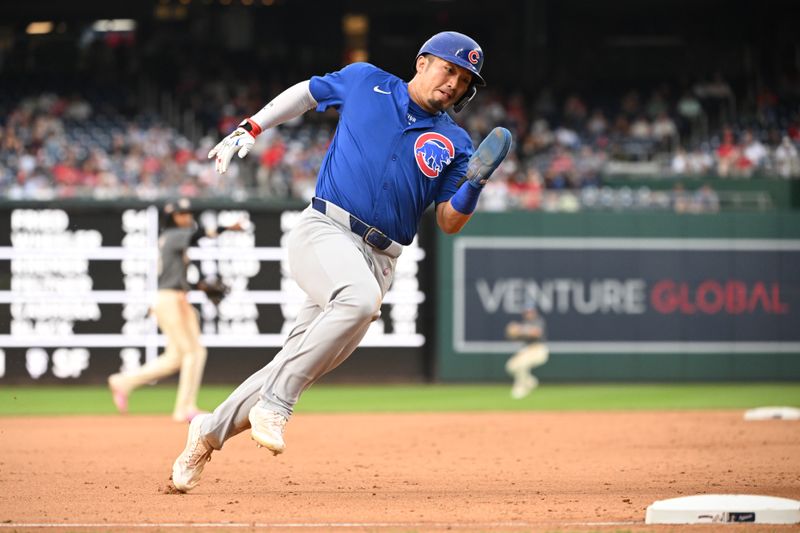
(573,147)
(56,145)
(53,146)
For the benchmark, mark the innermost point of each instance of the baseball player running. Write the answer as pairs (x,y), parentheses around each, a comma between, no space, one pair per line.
(176,317)
(530,329)
(394,153)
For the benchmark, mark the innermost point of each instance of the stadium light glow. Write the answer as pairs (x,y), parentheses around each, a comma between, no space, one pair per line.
(355,24)
(109,25)
(39,28)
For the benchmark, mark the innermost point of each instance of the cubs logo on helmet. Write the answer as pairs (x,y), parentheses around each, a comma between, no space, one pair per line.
(433,152)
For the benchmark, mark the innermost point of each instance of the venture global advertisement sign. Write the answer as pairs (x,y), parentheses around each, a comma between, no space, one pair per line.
(613,295)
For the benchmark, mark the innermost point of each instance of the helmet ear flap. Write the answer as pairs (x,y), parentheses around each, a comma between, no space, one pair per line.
(464,100)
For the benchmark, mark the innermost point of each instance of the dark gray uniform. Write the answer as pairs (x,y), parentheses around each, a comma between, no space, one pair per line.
(172,260)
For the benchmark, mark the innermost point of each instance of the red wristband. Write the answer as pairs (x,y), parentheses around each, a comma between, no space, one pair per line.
(254,129)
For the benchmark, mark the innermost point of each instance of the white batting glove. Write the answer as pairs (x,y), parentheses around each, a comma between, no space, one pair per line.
(241,141)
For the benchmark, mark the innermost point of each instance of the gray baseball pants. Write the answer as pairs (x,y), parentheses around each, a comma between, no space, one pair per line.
(345,280)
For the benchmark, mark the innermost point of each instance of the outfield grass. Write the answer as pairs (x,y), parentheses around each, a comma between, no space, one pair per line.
(47,400)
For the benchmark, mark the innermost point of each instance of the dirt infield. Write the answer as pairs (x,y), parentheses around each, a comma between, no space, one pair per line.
(404,472)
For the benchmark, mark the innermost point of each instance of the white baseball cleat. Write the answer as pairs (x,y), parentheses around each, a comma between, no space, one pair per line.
(524,383)
(190,463)
(266,428)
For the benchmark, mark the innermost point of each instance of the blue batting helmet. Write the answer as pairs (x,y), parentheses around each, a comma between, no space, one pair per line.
(459,49)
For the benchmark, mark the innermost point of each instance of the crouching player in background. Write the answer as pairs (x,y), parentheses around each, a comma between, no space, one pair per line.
(531,330)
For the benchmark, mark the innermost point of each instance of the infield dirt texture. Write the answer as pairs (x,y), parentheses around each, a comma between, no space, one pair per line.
(534,471)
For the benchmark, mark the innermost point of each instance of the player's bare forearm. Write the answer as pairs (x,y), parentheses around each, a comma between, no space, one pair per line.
(450,220)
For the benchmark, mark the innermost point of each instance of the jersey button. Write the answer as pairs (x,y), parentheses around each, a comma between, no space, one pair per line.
(394,158)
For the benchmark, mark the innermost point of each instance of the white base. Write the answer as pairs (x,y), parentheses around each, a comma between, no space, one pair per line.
(724,508)
(773,413)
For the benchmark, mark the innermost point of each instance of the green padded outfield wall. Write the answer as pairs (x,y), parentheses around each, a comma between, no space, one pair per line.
(626,296)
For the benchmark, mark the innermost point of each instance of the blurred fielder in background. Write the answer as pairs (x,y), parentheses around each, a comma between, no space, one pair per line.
(176,317)
(394,153)
(531,330)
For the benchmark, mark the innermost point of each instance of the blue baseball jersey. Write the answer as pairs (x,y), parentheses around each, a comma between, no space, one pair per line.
(388,160)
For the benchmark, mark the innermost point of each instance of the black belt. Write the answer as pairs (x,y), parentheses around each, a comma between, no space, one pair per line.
(371,235)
